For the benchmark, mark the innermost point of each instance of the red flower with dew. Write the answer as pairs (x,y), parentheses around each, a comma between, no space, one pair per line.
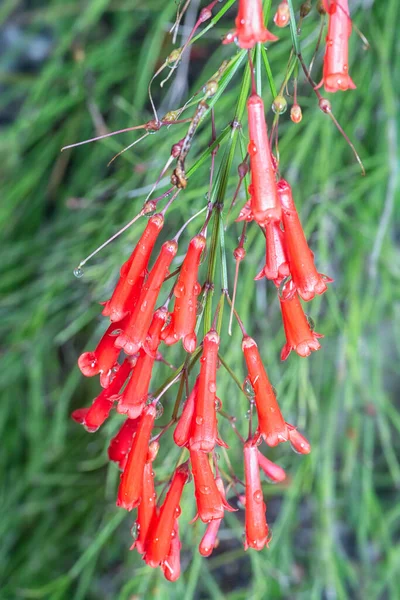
(132,274)
(133,398)
(131,484)
(299,335)
(209,541)
(158,540)
(336,60)
(211,504)
(147,506)
(103,360)
(256,528)
(186,291)
(306,279)
(204,434)
(133,336)
(94,416)
(276,264)
(271,423)
(264,203)
(250,27)
(121,443)
(183,427)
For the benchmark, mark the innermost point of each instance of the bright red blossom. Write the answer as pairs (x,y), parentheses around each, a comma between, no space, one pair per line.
(336,60)
(132,274)
(103,360)
(131,484)
(299,335)
(147,506)
(95,415)
(273,471)
(256,528)
(250,27)
(204,433)
(271,423)
(172,563)
(134,396)
(182,430)
(209,540)
(186,291)
(276,264)
(210,503)
(264,201)
(121,443)
(158,541)
(306,279)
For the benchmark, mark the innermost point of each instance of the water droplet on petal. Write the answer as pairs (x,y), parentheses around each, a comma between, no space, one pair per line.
(199,420)
(135,530)
(258,496)
(205,489)
(212,388)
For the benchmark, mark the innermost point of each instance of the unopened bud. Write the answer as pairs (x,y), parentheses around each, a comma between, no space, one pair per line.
(243,169)
(174,56)
(282,15)
(176,149)
(149,207)
(171,116)
(325,105)
(239,253)
(211,88)
(205,14)
(153,125)
(296,114)
(305,9)
(321,7)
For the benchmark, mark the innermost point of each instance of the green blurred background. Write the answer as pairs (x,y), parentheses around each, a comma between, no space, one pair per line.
(72,69)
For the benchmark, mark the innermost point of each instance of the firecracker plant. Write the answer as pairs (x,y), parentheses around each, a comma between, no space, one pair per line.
(158,301)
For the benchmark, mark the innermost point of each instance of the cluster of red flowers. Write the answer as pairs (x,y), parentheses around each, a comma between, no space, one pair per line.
(126,354)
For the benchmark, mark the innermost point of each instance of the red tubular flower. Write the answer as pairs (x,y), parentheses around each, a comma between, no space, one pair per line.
(95,415)
(245,213)
(282,15)
(210,503)
(204,433)
(299,336)
(250,27)
(134,335)
(256,528)
(209,540)
(121,443)
(134,396)
(132,273)
(265,204)
(103,359)
(158,542)
(147,506)
(274,472)
(183,318)
(299,443)
(307,281)
(172,564)
(130,487)
(270,421)
(276,264)
(336,60)
(182,430)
